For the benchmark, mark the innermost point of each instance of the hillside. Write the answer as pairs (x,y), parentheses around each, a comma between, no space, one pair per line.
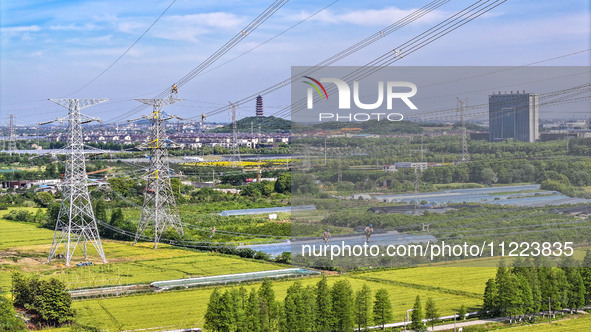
(269,124)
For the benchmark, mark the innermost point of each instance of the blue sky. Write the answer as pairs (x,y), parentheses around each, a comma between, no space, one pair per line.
(52,48)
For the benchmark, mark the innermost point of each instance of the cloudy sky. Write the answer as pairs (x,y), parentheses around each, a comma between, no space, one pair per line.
(52,48)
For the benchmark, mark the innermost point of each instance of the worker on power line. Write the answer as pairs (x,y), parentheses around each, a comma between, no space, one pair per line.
(368,232)
(212,232)
(174,89)
(326,235)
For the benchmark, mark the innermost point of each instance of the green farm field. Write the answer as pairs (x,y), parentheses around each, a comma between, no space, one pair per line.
(581,323)
(187,308)
(24,247)
(461,279)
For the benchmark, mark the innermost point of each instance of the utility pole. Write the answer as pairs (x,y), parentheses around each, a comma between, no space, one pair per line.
(159,210)
(235,161)
(422,154)
(340,170)
(75,220)
(11,135)
(325,135)
(455,321)
(417,189)
(460,108)
(307,163)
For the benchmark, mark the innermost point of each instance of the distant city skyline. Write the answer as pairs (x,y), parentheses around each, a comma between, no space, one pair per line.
(51,49)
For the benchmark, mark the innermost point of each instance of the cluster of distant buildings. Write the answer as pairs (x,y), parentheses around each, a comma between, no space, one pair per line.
(183,140)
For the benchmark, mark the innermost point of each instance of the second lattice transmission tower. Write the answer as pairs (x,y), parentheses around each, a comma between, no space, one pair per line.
(460,108)
(235,160)
(11,134)
(159,211)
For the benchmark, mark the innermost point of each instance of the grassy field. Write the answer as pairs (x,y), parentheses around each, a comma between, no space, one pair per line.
(582,323)
(24,247)
(464,279)
(187,308)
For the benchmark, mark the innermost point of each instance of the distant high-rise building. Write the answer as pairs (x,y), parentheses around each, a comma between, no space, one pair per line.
(259,109)
(513,115)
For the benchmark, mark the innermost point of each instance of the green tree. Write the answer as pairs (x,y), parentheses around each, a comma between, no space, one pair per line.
(431,312)
(253,309)
(23,290)
(100,210)
(417,323)
(117,217)
(324,316)
(8,319)
(226,311)
(510,295)
(462,312)
(490,297)
(238,305)
(363,307)
(51,216)
(283,183)
(212,314)
(489,176)
(298,312)
(269,308)
(43,199)
(342,306)
(53,302)
(382,308)
(51,170)
(585,272)
(576,288)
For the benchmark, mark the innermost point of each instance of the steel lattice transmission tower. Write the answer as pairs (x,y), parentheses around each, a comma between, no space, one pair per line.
(460,108)
(235,160)
(11,134)
(159,210)
(75,221)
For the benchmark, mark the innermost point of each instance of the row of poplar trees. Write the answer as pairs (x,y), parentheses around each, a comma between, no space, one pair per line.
(313,308)
(520,291)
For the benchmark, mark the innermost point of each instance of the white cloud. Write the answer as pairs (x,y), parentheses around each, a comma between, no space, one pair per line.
(188,27)
(369,17)
(18,29)
(75,27)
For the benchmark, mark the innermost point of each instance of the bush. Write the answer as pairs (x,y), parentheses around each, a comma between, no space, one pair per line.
(8,319)
(262,255)
(47,298)
(20,215)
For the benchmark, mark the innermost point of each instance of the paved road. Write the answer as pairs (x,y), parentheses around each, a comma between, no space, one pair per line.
(469,323)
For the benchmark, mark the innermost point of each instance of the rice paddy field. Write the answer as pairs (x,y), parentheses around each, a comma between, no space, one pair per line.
(24,247)
(186,308)
(449,278)
(582,323)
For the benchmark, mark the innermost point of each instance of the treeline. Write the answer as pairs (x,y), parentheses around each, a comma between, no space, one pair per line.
(310,308)
(579,147)
(47,300)
(523,291)
(566,176)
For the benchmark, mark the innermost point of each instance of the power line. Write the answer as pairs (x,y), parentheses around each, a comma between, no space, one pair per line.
(344,53)
(127,50)
(436,32)
(253,25)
